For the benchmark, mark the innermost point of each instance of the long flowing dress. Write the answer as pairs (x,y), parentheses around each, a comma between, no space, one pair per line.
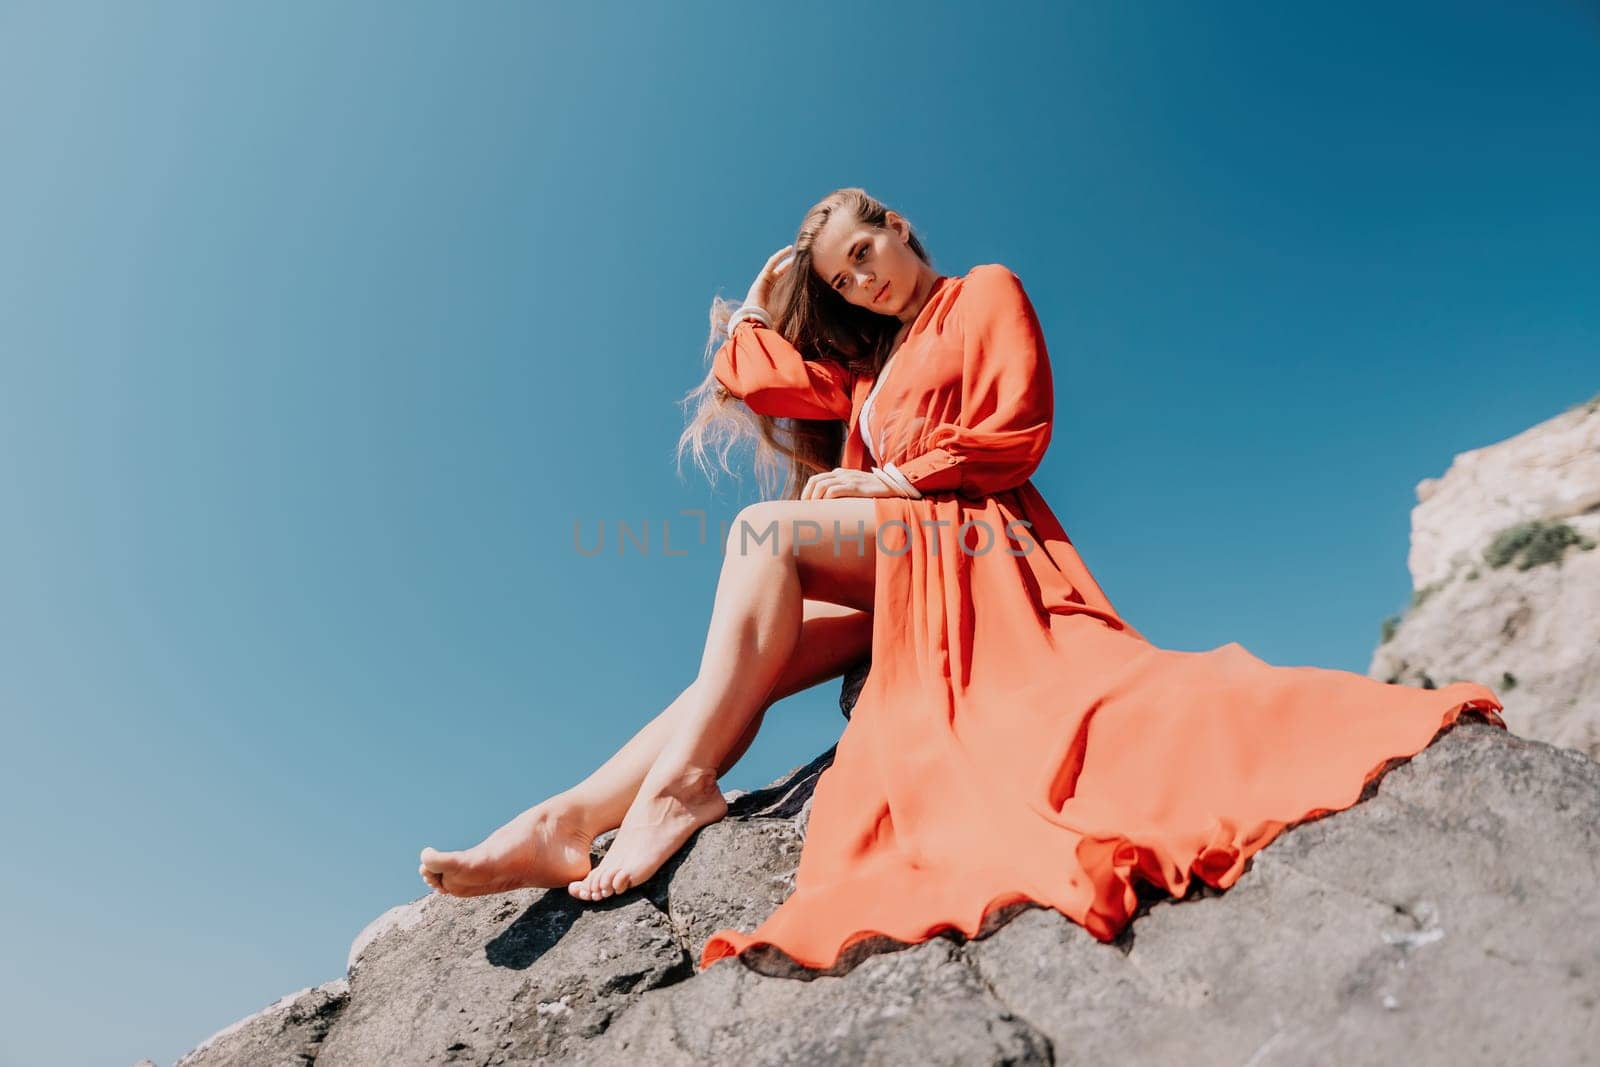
(1015,738)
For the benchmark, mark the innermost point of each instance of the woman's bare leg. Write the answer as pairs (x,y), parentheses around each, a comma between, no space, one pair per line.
(833,638)
(755,625)
(548,845)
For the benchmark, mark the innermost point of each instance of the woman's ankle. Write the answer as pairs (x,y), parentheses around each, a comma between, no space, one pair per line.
(672,777)
(585,815)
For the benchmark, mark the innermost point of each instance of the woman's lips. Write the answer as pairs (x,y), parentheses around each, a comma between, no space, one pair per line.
(881,293)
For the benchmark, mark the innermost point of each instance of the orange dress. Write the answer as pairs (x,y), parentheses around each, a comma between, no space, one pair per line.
(1015,738)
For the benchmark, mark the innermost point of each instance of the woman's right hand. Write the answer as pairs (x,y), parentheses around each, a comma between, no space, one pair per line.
(776,266)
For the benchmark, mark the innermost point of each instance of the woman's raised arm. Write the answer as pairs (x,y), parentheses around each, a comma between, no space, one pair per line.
(762,368)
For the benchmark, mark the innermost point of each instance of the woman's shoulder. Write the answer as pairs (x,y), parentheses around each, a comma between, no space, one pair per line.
(976,296)
(990,276)
(988,285)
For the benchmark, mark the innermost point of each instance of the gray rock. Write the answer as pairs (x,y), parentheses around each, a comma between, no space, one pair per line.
(1447,917)
(854,679)
(288,1032)
(399,917)
(924,1005)
(512,978)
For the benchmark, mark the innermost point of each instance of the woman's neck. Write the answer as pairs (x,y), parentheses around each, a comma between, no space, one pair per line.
(927,278)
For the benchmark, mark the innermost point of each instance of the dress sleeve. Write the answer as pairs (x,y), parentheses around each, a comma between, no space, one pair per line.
(759,366)
(1007,395)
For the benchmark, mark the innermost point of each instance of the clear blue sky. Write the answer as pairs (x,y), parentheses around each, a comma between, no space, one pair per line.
(321,324)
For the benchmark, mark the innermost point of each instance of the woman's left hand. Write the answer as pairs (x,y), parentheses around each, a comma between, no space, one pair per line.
(842,481)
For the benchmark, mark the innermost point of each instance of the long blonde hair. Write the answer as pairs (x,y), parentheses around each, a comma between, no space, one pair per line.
(819,323)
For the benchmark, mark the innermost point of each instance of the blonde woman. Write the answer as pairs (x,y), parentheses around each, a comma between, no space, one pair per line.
(1015,739)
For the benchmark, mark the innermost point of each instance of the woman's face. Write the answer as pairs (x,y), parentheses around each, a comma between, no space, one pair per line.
(868,267)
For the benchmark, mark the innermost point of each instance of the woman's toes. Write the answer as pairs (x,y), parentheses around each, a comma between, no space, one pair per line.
(602,882)
(436,861)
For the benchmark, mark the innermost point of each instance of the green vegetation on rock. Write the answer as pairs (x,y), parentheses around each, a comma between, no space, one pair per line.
(1533,543)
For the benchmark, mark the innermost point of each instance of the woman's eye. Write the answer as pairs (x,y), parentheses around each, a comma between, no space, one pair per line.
(860,254)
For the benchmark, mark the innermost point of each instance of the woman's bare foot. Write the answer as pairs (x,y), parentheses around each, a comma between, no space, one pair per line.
(545,846)
(655,827)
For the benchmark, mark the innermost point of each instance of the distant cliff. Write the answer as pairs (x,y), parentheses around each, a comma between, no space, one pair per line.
(1506,582)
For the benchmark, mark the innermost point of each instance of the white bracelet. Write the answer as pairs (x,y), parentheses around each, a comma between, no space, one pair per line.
(900,480)
(900,487)
(749,311)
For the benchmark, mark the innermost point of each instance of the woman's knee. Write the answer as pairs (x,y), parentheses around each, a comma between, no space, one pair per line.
(758,529)
(791,527)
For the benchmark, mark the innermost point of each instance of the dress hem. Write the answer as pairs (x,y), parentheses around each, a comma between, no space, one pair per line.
(1110,908)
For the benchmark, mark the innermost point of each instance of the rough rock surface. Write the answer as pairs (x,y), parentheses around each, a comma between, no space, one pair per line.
(1448,917)
(288,1031)
(1530,633)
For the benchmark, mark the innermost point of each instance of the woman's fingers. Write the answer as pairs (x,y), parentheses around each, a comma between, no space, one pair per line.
(778,262)
(769,272)
(843,481)
(815,484)
(775,262)
(856,483)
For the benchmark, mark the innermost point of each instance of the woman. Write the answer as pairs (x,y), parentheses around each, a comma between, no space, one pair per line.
(1015,739)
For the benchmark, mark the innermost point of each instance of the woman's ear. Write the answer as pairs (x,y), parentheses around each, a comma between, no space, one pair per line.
(896,222)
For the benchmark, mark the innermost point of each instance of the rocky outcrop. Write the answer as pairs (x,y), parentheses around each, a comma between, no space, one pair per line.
(1448,917)
(288,1031)
(1506,584)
